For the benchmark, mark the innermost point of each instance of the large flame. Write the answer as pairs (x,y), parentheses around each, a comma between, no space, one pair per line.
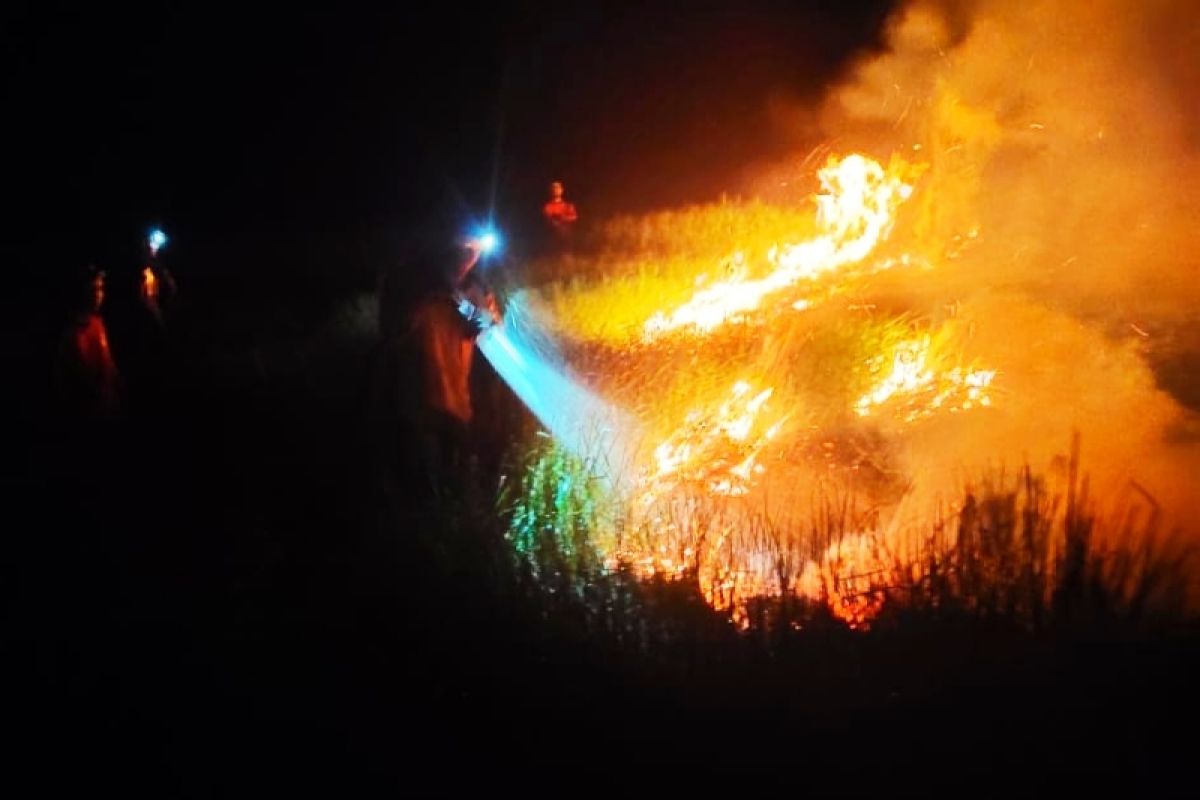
(855,212)
(719,452)
(694,497)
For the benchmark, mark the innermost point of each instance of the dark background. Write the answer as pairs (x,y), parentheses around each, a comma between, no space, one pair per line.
(343,128)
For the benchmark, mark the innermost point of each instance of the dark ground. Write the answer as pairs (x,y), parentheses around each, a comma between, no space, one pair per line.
(221,595)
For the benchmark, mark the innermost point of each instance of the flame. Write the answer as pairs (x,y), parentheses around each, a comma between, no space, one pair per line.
(680,511)
(720,453)
(909,374)
(921,390)
(718,450)
(855,212)
(850,576)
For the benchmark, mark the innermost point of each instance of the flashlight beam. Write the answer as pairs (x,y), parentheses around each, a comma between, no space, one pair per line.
(598,433)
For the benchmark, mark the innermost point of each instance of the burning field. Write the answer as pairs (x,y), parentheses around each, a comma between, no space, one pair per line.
(813,397)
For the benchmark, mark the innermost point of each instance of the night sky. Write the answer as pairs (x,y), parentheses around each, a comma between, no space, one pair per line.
(234,126)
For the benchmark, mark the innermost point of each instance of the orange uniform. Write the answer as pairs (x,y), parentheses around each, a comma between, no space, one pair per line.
(448,344)
(558,211)
(87,372)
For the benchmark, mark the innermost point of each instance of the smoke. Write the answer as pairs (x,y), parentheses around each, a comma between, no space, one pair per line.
(1061,214)
(1064,135)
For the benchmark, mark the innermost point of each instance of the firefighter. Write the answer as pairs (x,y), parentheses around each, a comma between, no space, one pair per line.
(157,285)
(445,326)
(559,212)
(87,380)
(446,338)
(143,343)
(423,366)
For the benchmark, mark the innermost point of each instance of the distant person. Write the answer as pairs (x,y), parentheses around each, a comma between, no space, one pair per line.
(560,214)
(87,380)
(143,341)
(157,286)
(156,289)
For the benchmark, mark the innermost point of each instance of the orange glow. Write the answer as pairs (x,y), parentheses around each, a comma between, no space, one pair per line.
(717,451)
(734,429)
(149,285)
(920,389)
(1037,280)
(720,452)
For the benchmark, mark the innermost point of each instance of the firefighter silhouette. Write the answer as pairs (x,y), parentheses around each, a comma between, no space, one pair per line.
(88,383)
(431,315)
(560,213)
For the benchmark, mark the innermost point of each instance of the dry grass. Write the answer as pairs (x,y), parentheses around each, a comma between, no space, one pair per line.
(632,266)
(1016,551)
(812,538)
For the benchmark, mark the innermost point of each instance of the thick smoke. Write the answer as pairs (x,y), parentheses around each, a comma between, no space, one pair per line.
(1064,133)
(1061,216)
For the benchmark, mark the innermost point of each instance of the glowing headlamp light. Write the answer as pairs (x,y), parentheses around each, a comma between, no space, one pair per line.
(157,239)
(488,241)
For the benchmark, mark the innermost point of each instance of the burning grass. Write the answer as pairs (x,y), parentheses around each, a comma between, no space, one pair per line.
(1015,548)
(631,265)
(803,404)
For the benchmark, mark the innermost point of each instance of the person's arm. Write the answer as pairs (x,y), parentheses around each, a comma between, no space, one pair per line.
(473,252)
(478,306)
